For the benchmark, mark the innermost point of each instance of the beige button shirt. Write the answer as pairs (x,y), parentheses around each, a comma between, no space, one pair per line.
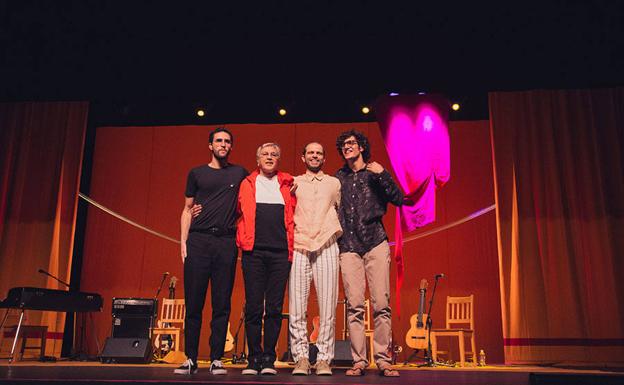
(316,219)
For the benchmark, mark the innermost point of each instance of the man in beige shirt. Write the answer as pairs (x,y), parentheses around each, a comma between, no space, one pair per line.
(317,229)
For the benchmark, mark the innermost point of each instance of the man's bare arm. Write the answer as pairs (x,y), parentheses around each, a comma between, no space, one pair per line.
(185,224)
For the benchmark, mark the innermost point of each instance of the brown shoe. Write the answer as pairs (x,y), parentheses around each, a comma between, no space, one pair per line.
(323,369)
(302,367)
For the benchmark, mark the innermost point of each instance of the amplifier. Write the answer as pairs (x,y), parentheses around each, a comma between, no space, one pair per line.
(133,317)
(135,307)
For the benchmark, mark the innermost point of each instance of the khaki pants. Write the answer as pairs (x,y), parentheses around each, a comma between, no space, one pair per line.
(374,268)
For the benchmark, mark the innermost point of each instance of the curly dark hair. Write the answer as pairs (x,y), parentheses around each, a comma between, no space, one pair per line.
(220,129)
(361,139)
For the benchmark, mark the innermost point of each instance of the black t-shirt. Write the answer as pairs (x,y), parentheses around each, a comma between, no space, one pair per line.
(217,191)
(270,227)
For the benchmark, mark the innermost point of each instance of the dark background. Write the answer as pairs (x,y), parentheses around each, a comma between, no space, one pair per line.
(150,62)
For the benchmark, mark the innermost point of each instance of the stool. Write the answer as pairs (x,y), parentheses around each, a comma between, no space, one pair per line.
(32,331)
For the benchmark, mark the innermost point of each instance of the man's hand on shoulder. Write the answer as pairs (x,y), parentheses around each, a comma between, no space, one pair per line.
(196,210)
(374,167)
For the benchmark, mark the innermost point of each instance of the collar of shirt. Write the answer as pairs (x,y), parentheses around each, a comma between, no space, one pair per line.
(310,176)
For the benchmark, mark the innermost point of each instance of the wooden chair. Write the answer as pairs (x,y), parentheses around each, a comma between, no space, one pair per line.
(9,328)
(171,321)
(369,332)
(459,311)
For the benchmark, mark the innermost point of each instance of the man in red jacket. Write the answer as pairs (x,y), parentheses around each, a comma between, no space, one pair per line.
(265,233)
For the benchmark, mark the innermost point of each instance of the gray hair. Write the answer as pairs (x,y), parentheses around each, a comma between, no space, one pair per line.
(270,144)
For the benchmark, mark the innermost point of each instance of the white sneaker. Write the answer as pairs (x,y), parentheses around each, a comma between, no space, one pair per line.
(216,367)
(188,367)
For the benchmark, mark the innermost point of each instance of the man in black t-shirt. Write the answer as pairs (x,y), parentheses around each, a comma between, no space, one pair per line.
(208,248)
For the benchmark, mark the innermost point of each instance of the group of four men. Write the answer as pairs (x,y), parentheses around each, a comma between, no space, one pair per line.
(290,229)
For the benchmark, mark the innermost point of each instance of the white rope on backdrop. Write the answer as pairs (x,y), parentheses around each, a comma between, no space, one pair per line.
(414,237)
(129,221)
(449,225)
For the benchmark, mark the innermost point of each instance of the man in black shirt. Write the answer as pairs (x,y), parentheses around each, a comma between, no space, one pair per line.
(208,248)
(366,189)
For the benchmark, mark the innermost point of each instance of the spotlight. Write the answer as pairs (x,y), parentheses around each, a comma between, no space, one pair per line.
(455,106)
(394,94)
(200,112)
(282,112)
(365,110)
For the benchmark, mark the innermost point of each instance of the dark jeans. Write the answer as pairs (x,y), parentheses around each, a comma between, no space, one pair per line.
(265,273)
(209,258)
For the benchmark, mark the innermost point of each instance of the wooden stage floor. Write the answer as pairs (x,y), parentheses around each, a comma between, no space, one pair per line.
(78,373)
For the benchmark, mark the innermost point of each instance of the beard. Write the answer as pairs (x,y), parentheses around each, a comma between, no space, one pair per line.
(314,169)
(220,157)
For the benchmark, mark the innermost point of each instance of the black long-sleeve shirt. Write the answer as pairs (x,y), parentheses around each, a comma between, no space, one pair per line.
(365,197)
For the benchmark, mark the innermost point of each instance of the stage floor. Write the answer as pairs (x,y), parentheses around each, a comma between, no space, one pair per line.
(76,373)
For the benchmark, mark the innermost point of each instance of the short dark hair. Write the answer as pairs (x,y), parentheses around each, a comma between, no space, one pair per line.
(220,129)
(309,143)
(361,139)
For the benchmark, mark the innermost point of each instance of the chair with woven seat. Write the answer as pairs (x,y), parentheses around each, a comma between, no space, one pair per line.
(369,332)
(459,311)
(171,321)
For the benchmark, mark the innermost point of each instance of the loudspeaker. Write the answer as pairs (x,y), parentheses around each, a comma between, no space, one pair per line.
(127,350)
(342,353)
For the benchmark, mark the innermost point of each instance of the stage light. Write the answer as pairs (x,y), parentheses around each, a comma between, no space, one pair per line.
(200,113)
(455,106)
(365,110)
(394,94)
(282,112)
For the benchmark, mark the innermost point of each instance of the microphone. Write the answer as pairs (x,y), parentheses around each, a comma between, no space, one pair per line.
(441,275)
(52,276)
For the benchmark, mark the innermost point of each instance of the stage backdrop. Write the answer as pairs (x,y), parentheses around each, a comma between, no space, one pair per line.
(140,172)
(560,192)
(40,158)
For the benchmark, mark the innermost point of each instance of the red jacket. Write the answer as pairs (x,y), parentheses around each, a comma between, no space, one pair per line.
(246,225)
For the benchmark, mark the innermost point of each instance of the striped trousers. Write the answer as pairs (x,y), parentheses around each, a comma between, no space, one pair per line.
(322,267)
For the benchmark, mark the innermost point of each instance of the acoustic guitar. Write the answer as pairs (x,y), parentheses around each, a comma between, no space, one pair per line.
(315,332)
(229,340)
(165,342)
(417,336)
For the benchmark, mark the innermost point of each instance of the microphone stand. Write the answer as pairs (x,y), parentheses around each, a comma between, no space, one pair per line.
(428,356)
(74,354)
(162,281)
(242,358)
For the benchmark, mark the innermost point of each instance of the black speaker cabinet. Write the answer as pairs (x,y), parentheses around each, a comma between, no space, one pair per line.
(127,350)
(342,353)
(133,317)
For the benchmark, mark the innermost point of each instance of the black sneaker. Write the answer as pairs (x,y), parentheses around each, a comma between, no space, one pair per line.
(253,367)
(216,367)
(188,367)
(268,366)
